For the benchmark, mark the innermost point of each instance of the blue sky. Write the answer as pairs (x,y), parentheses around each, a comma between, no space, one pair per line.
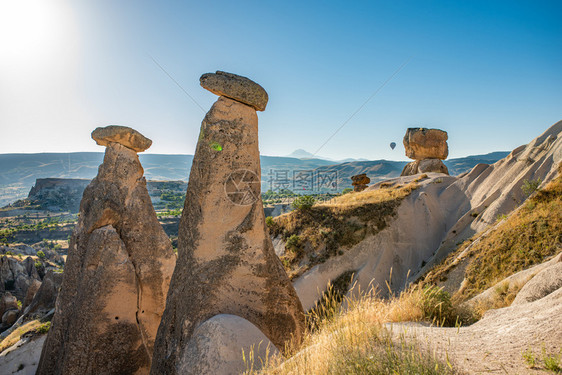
(487,72)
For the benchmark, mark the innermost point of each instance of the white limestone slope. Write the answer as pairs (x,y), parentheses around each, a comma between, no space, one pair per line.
(434,218)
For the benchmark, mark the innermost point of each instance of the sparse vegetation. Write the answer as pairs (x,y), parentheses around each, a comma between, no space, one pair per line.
(173,200)
(529,358)
(304,202)
(269,221)
(530,186)
(354,341)
(16,335)
(327,229)
(174,213)
(550,362)
(43,328)
(527,237)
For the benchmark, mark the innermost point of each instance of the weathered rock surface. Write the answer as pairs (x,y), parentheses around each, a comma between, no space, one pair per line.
(16,279)
(16,276)
(235,87)
(22,357)
(541,285)
(10,317)
(8,302)
(31,291)
(116,277)
(45,298)
(423,143)
(226,261)
(123,135)
(42,304)
(57,194)
(424,166)
(217,345)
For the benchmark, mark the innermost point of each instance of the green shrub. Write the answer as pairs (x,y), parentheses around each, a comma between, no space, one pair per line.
(530,186)
(346,190)
(293,243)
(304,202)
(43,328)
(41,254)
(269,221)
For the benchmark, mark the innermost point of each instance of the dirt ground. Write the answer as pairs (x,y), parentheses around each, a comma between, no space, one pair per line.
(495,344)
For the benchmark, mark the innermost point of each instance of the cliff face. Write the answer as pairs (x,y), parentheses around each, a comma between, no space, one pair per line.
(57,194)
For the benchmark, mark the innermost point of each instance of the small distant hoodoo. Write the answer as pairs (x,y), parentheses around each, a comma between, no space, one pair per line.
(428,147)
(359,182)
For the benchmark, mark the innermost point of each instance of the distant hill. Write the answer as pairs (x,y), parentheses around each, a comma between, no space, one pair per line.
(18,172)
(303,154)
(379,170)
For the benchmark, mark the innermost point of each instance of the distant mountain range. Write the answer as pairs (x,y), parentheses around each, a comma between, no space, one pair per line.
(18,172)
(303,154)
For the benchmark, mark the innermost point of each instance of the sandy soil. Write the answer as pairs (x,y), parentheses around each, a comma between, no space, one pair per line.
(495,344)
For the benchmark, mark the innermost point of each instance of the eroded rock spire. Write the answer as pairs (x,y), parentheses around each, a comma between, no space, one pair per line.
(117,274)
(227,268)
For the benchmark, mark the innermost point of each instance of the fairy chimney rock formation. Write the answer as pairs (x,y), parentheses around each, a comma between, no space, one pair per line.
(359,182)
(226,261)
(117,274)
(428,147)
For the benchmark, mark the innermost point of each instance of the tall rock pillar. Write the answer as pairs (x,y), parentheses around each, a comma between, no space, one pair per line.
(226,261)
(117,274)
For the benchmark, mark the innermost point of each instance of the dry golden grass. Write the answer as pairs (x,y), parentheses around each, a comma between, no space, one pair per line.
(18,332)
(353,199)
(355,341)
(503,296)
(526,238)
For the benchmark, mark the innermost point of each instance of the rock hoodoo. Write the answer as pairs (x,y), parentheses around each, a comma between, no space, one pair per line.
(359,182)
(118,270)
(428,147)
(226,261)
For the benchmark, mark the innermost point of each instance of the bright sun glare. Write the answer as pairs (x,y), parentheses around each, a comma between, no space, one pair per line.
(30,30)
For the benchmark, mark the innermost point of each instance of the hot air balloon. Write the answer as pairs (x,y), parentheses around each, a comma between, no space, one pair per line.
(392,145)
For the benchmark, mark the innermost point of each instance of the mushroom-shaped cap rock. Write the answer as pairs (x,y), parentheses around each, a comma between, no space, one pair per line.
(123,135)
(235,87)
